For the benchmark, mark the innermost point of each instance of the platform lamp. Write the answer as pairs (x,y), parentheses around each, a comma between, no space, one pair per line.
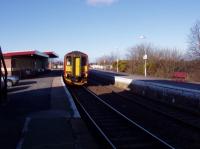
(118,58)
(144,57)
(117,65)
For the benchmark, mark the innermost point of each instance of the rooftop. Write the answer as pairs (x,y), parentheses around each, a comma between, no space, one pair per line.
(47,54)
(51,54)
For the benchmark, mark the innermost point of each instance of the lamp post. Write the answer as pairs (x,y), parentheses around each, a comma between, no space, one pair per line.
(117,49)
(104,64)
(117,65)
(144,57)
(145,63)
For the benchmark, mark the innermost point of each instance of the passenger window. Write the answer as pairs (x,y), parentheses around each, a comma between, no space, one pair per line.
(83,61)
(68,61)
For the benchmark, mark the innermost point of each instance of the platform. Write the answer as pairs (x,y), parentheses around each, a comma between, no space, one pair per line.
(181,94)
(39,114)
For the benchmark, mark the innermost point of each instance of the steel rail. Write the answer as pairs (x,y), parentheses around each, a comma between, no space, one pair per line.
(146,106)
(96,125)
(129,120)
(160,112)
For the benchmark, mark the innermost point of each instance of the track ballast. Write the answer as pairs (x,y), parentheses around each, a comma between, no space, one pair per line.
(118,130)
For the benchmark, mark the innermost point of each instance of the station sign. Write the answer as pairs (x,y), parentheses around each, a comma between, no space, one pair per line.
(145,57)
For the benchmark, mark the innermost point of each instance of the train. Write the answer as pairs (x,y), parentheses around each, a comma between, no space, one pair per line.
(75,68)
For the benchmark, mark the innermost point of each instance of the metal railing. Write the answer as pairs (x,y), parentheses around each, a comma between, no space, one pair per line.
(3,75)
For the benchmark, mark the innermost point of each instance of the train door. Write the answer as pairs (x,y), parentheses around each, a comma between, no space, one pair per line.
(77,66)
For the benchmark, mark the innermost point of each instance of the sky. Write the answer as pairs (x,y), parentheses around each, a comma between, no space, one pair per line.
(96,27)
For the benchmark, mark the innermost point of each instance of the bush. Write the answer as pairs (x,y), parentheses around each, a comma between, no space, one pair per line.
(122,65)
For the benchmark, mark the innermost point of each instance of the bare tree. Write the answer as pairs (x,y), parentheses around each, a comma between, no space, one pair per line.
(135,57)
(107,59)
(194,40)
(113,57)
(161,61)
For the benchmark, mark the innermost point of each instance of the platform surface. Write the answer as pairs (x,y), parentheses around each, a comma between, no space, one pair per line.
(169,83)
(39,115)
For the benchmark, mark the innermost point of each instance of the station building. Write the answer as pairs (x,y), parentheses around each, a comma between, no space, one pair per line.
(28,63)
(52,55)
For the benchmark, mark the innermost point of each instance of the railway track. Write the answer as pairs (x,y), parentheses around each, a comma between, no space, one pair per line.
(189,118)
(179,126)
(118,130)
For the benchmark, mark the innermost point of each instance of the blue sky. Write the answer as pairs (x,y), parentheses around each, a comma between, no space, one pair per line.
(96,27)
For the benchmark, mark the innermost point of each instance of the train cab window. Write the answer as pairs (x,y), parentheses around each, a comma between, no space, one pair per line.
(83,61)
(69,60)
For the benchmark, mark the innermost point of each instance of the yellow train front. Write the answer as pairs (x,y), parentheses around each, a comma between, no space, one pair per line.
(76,68)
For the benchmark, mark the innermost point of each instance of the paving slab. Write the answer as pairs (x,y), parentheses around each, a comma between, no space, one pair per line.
(56,127)
(55,132)
(39,116)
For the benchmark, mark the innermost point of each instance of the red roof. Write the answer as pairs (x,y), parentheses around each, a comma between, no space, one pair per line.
(51,54)
(25,53)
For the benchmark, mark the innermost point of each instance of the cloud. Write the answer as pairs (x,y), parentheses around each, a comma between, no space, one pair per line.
(100,2)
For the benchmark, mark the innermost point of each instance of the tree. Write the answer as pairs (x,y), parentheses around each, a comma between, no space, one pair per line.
(161,61)
(107,59)
(135,57)
(122,65)
(194,40)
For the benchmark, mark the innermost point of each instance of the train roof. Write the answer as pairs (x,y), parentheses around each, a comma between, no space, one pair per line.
(76,53)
